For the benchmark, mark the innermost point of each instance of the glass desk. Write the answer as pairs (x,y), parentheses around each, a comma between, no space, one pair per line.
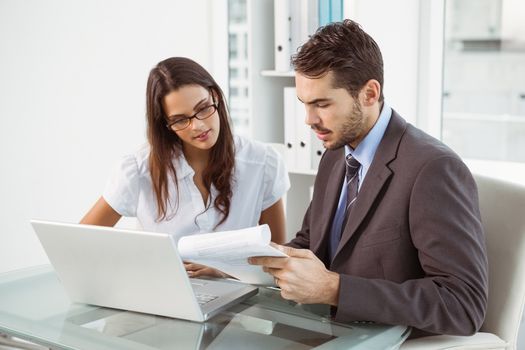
(34,307)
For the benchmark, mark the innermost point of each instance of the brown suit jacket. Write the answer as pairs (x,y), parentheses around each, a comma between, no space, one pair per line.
(413,250)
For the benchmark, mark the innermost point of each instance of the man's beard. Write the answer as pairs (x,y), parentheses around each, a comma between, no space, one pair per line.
(352,128)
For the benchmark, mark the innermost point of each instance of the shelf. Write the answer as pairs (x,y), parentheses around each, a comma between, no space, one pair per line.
(310,172)
(273,73)
(281,149)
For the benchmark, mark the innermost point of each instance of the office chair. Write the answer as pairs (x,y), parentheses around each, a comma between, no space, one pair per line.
(502,206)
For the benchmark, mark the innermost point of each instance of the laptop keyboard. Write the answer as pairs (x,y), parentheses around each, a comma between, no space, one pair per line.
(204,298)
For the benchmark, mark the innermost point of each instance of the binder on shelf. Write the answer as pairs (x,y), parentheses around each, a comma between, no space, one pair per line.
(330,11)
(336,10)
(303,136)
(303,150)
(317,151)
(282,34)
(309,19)
(295,25)
(290,144)
(304,22)
(324,12)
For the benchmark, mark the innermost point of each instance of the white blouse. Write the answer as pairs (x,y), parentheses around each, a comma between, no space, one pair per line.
(259,181)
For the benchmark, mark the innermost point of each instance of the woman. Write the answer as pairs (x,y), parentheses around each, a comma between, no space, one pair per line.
(193,176)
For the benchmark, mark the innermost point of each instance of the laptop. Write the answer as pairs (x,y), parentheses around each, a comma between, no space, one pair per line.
(132,270)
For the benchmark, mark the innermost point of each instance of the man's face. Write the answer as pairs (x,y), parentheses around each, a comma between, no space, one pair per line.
(333,114)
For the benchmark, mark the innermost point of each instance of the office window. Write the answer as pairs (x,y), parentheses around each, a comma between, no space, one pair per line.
(484,79)
(233,45)
(234,73)
(238,62)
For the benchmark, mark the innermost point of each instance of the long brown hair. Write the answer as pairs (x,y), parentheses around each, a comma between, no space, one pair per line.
(347,50)
(167,76)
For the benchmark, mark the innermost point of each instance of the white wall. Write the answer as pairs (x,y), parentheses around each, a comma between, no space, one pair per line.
(394,25)
(72,101)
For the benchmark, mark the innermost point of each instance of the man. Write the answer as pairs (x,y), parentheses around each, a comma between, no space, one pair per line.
(393,232)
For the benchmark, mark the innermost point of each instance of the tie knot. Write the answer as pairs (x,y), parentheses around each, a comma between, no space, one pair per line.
(352,165)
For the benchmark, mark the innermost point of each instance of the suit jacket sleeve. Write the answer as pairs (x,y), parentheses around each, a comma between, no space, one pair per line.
(445,228)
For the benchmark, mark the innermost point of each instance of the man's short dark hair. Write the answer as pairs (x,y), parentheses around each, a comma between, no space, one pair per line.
(346,50)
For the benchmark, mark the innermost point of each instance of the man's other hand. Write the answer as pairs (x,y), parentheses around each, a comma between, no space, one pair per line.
(301,276)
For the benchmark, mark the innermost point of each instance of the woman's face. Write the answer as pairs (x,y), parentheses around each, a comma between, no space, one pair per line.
(193,117)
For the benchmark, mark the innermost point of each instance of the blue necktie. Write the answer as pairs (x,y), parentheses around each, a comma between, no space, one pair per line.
(352,185)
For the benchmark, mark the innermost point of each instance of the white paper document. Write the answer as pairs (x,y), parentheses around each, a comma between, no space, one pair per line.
(228,252)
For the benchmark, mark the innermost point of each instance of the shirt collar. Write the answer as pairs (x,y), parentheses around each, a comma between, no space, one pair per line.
(182,167)
(365,151)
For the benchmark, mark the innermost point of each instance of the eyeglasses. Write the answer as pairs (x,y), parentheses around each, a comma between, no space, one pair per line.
(183,122)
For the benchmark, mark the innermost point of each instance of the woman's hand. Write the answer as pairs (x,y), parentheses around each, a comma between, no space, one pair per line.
(197,270)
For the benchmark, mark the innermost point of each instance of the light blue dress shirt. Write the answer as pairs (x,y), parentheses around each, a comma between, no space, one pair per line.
(364,153)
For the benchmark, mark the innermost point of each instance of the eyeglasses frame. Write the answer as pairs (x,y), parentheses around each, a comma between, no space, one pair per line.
(190,118)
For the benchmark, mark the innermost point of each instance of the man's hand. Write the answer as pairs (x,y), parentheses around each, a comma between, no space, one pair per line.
(302,277)
(197,270)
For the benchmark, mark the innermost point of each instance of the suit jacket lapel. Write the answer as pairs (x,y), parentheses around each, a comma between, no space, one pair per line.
(330,201)
(376,177)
